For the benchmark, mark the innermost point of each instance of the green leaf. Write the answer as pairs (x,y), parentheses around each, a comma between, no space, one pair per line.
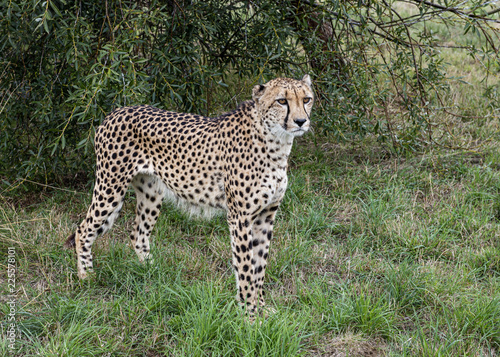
(46,26)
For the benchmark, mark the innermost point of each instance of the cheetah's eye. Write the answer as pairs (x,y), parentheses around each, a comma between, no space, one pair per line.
(307,100)
(282,101)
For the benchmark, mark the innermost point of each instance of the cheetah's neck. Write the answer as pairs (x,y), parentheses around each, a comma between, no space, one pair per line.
(277,143)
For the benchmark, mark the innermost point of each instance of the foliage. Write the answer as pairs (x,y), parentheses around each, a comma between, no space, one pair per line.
(66,64)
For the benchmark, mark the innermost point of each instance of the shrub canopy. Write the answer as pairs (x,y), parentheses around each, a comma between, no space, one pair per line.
(66,64)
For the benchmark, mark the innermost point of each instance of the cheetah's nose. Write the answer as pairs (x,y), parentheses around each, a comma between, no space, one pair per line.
(300,122)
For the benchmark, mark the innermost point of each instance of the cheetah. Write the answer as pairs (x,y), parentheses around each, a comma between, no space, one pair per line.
(236,162)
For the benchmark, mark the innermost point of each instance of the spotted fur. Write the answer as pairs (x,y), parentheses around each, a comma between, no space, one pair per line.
(235,163)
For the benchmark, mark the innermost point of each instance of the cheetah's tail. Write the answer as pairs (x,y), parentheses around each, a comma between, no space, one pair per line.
(70,242)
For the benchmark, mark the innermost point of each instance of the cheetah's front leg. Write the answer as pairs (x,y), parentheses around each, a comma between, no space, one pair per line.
(243,261)
(262,234)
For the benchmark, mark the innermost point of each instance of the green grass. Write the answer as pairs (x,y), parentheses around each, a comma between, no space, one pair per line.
(373,254)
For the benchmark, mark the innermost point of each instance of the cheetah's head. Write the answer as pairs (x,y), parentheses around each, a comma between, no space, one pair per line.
(284,105)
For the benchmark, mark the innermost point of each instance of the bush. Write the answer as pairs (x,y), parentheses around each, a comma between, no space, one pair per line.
(66,64)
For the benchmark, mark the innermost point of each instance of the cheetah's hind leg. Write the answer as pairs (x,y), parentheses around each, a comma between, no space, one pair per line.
(149,190)
(103,211)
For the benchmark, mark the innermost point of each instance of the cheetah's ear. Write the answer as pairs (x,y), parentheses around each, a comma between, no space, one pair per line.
(307,80)
(258,91)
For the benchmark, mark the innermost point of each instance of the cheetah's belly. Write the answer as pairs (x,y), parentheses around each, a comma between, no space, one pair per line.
(206,200)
